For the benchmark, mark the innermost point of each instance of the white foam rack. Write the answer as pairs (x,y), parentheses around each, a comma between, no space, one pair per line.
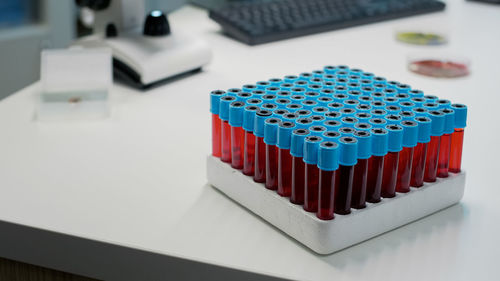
(329,236)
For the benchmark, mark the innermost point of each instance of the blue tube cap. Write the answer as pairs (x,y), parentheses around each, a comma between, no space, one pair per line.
(348,111)
(410,133)
(363,117)
(311,145)
(395,138)
(317,119)
(304,123)
(279,112)
(331,136)
(297,142)
(249,117)
(328,156)
(333,115)
(362,126)
(418,101)
(346,131)
(236,110)
(271,130)
(444,103)
(332,125)
(285,134)
(349,121)
(377,122)
(393,119)
(460,115)
(407,115)
(420,111)
(416,93)
(380,141)
(317,130)
(449,120)
(437,127)
(260,118)
(406,105)
(215,100)
(424,129)
(234,91)
(364,144)
(225,102)
(348,151)
(249,88)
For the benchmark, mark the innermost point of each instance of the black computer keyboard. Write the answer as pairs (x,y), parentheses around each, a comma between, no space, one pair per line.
(259,22)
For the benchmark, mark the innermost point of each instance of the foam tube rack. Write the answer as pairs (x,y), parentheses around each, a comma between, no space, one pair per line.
(336,156)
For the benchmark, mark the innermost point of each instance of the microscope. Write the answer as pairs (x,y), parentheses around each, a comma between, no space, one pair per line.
(145,51)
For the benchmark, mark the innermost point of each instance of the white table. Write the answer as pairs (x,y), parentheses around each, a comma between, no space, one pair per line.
(127,198)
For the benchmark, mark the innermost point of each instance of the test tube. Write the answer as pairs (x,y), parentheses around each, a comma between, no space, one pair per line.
(348,157)
(285,158)
(270,139)
(226,148)
(410,138)
(236,110)
(249,152)
(457,138)
(437,129)
(361,169)
(311,177)
(376,164)
(260,147)
(216,122)
(327,164)
(420,151)
(444,148)
(391,160)
(298,165)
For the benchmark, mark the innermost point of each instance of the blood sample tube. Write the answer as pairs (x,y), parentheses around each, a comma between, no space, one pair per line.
(293,107)
(216,122)
(437,128)
(270,139)
(262,85)
(272,90)
(420,151)
(260,147)
(311,176)
(291,78)
(377,97)
(444,148)
(327,164)
(348,157)
(309,104)
(376,164)
(275,82)
(457,138)
(351,103)
(249,152)
(361,169)
(285,158)
(225,102)
(390,101)
(391,160)
(410,137)
(298,166)
(236,110)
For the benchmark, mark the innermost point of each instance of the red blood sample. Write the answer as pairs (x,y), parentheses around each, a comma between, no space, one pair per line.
(216,135)
(391,162)
(326,194)
(444,156)
(359,184)
(237,147)
(432,159)
(260,160)
(418,165)
(404,170)
(439,68)
(226,141)
(311,179)
(298,169)
(284,172)
(271,167)
(374,184)
(343,189)
(248,154)
(457,141)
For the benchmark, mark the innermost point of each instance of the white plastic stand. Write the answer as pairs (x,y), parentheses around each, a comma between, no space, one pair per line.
(325,237)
